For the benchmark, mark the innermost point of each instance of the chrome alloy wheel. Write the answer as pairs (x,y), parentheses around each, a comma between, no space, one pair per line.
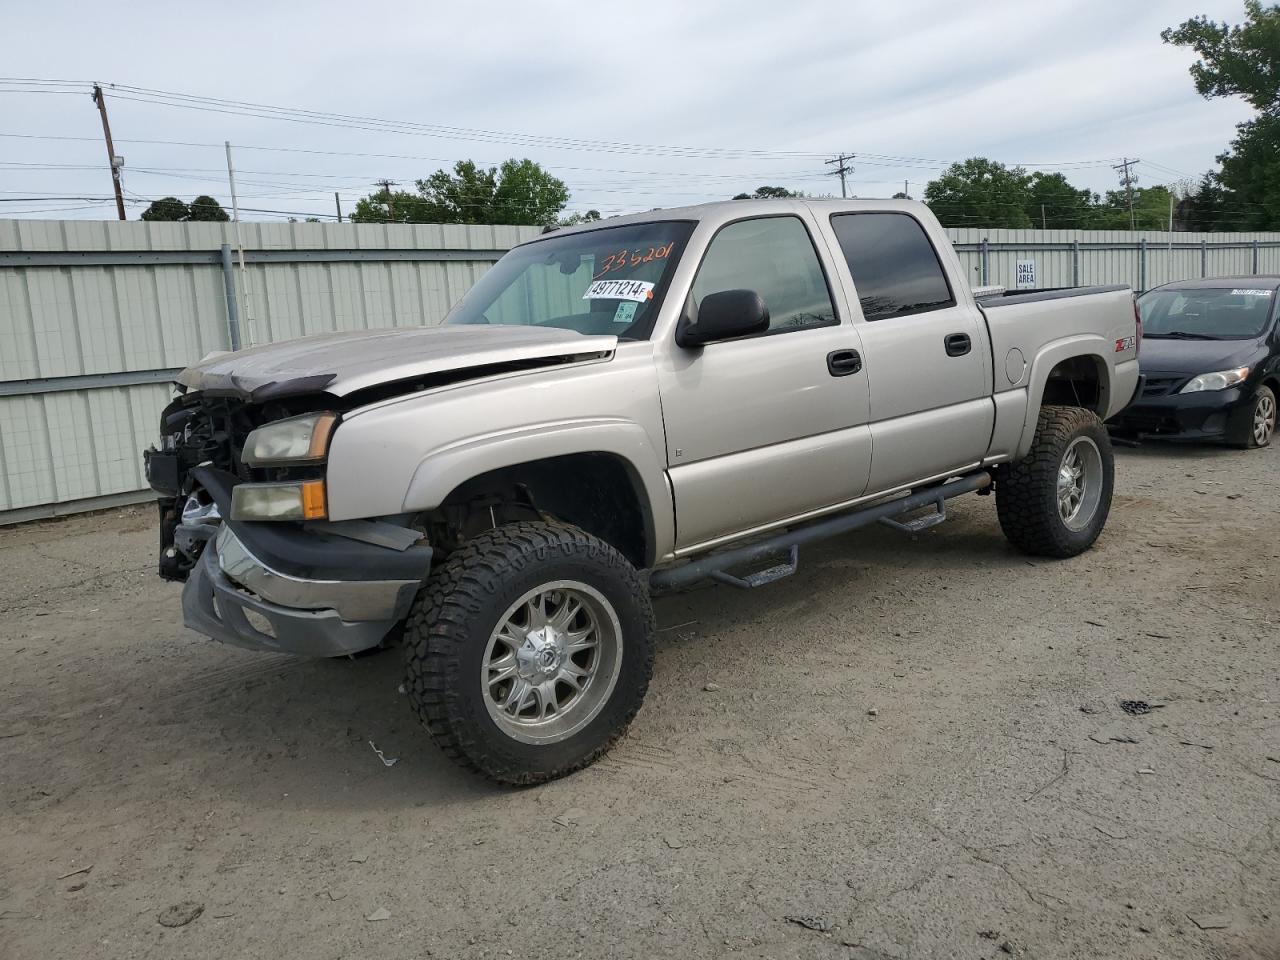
(1264,419)
(1079,483)
(552,662)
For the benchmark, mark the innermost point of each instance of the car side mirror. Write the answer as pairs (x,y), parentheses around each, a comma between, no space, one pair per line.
(723,316)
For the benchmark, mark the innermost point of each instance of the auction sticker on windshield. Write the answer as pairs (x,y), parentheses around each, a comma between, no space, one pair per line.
(1250,293)
(638,290)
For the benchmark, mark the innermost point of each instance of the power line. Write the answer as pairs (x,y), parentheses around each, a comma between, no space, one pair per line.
(323,118)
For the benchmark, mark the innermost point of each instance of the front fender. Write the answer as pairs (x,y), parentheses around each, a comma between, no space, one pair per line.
(445,468)
(408,453)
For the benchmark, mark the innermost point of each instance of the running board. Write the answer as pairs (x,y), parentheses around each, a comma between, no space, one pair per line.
(919,523)
(760,577)
(715,566)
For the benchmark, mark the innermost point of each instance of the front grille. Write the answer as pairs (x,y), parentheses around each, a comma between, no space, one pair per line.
(1158,385)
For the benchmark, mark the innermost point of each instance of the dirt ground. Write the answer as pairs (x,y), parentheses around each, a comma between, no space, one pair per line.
(912,748)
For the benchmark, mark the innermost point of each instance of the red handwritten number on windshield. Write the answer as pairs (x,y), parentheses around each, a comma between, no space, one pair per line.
(633,258)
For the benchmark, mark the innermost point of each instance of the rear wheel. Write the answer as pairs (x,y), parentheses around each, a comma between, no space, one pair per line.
(1253,425)
(1054,502)
(529,651)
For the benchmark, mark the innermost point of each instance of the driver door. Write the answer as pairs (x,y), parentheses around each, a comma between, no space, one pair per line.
(770,427)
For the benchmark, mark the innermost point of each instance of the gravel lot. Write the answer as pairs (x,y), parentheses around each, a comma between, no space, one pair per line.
(915,744)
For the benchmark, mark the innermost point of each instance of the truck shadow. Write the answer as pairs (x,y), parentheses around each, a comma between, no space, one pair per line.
(292,733)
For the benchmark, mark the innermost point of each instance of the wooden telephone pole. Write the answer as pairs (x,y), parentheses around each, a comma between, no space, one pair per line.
(841,170)
(386,186)
(116,162)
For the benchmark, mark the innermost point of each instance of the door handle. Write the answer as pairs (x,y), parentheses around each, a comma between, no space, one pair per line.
(841,363)
(958,344)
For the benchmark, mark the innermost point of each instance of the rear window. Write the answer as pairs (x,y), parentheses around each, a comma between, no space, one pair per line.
(1217,313)
(894,266)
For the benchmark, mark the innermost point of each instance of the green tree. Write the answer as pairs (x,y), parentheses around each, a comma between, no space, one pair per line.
(518,192)
(1054,204)
(396,206)
(167,209)
(1242,60)
(769,193)
(591,216)
(1150,210)
(1204,209)
(206,209)
(1236,60)
(980,193)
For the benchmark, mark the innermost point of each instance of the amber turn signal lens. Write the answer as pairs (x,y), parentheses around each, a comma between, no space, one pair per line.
(313,500)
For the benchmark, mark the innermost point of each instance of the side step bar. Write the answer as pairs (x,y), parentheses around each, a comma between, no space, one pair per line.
(716,565)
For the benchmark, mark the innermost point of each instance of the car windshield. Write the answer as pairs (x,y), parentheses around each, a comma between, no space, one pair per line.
(1218,313)
(608,281)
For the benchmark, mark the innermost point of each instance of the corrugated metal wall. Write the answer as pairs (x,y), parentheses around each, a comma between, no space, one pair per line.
(96,315)
(1114,256)
(110,311)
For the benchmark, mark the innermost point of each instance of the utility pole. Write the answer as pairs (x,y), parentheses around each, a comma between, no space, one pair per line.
(1043,221)
(337,203)
(841,169)
(246,312)
(906,189)
(1128,180)
(116,162)
(386,186)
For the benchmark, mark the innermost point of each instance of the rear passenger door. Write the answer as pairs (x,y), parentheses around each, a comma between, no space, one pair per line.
(764,428)
(927,353)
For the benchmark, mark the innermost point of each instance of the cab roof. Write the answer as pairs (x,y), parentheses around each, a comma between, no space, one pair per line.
(725,210)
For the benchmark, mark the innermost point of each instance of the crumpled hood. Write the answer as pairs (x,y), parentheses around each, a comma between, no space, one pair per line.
(342,363)
(1194,357)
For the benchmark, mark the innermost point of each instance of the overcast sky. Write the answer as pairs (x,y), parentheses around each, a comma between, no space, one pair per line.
(909,86)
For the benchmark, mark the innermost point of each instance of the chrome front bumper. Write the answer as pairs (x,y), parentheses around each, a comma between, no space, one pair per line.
(313,618)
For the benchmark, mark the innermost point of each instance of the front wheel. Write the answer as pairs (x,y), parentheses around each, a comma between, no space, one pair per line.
(1054,501)
(529,651)
(1253,425)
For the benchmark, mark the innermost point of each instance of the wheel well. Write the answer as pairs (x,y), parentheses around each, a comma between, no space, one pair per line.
(1076,382)
(597,492)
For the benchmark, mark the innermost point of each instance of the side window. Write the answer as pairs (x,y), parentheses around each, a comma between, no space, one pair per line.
(773,256)
(894,266)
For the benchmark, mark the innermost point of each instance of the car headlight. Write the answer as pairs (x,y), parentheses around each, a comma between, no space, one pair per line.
(304,500)
(1218,380)
(303,439)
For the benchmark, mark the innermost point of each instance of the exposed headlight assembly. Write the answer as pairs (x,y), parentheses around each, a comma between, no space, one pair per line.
(304,500)
(299,440)
(1218,380)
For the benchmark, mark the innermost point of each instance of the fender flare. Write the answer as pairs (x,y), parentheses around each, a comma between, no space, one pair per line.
(1091,345)
(443,469)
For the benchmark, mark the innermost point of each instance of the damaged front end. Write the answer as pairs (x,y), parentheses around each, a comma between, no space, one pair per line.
(243,524)
(201,429)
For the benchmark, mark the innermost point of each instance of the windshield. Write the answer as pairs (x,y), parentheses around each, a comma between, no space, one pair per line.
(608,281)
(1219,313)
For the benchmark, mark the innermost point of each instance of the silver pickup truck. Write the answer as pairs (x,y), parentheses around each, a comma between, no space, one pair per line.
(614,409)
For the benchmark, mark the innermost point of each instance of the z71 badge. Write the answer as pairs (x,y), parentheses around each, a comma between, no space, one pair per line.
(1124,343)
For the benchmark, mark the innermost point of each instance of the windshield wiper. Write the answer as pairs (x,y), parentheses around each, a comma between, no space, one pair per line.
(1180,335)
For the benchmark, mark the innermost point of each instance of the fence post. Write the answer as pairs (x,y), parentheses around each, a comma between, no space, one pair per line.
(986,262)
(1142,265)
(1255,255)
(1075,263)
(1204,258)
(233,311)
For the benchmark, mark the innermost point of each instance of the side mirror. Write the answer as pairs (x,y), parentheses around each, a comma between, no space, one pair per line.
(723,316)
